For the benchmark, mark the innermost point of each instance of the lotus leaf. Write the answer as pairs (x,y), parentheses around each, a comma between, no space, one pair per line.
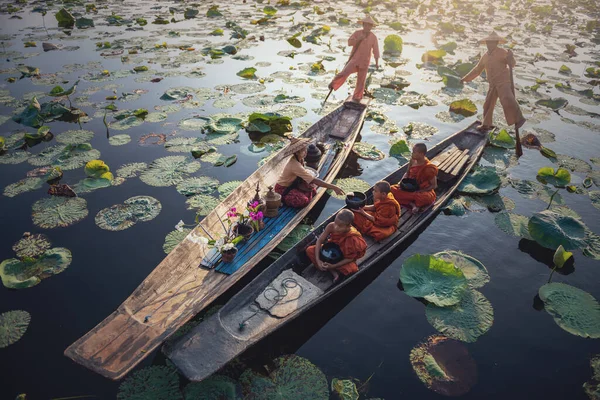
(551,230)
(2,143)
(433,56)
(392,44)
(23,186)
(513,224)
(573,164)
(592,241)
(502,139)
(15,157)
(400,150)
(27,71)
(78,136)
(595,197)
(115,218)
(433,279)
(174,238)
(31,245)
(58,91)
(554,104)
(57,211)
(247,73)
(495,202)
(83,23)
(458,206)
(444,366)
(367,151)
(203,204)
(344,388)
(295,236)
(176,94)
(573,309)
(561,256)
(96,168)
(294,378)
(227,188)
(558,178)
(213,11)
(197,185)
(225,125)
(217,32)
(277,123)
(131,170)
(592,387)
(13,325)
(119,140)
(64,18)
(464,107)
(156,382)
(168,171)
(483,180)
(21,274)
(349,185)
(450,77)
(466,321)
(31,116)
(190,13)
(294,41)
(185,144)
(143,208)
(474,271)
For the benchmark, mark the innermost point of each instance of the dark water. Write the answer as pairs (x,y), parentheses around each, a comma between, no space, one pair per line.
(367,329)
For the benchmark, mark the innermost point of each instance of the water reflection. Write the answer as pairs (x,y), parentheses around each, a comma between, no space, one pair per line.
(538,304)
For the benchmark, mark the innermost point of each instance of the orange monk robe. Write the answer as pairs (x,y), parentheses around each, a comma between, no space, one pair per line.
(387,215)
(353,247)
(423,174)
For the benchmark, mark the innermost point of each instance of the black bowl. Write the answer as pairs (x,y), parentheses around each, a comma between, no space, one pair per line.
(356,200)
(331,253)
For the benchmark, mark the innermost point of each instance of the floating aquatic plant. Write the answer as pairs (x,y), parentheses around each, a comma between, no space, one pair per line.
(168,171)
(482,180)
(157,382)
(31,245)
(23,186)
(131,170)
(444,366)
(551,229)
(464,107)
(513,224)
(269,123)
(573,309)
(474,271)
(119,140)
(367,151)
(13,325)
(57,211)
(349,185)
(294,378)
(433,279)
(28,272)
(197,185)
(227,188)
(502,139)
(174,238)
(345,389)
(123,216)
(214,387)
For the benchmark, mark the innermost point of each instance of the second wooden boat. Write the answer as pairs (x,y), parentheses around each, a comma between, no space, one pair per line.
(192,276)
(292,286)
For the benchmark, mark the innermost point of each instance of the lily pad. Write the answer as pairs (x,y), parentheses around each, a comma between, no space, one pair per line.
(553,104)
(433,56)
(513,224)
(431,278)
(392,44)
(168,171)
(295,236)
(494,202)
(466,321)
(227,188)
(367,151)
(345,389)
(174,238)
(23,186)
(214,387)
(444,366)
(247,73)
(157,382)
(57,211)
(349,185)
(203,204)
(277,124)
(78,136)
(13,325)
(595,197)
(131,170)
(482,180)
(464,107)
(119,140)
(122,216)
(21,274)
(475,272)
(573,309)
(294,378)
(558,178)
(573,164)
(31,245)
(15,157)
(551,230)
(502,139)
(197,185)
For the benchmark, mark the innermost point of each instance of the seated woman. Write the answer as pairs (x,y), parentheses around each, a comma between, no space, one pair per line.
(351,243)
(379,220)
(425,173)
(297,184)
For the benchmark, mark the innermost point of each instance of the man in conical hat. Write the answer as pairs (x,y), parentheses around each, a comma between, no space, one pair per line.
(363,42)
(497,63)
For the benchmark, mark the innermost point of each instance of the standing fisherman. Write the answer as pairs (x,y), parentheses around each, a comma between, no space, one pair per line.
(497,63)
(363,42)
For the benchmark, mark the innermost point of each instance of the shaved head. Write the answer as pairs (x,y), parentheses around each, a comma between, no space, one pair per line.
(420,147)
(383,187)
(345,217)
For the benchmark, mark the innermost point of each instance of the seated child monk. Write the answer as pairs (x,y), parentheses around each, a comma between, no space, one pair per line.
(351,242)
(421,169)
(381,219)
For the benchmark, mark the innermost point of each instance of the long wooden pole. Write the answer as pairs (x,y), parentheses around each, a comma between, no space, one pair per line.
(518,148)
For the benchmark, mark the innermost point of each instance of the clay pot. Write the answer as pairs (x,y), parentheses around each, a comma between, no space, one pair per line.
(229,255)
(244,230)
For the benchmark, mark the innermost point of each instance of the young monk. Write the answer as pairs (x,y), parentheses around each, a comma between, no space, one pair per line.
(381,219)
(421,169)
(351,242)
(363,42)
(496,63)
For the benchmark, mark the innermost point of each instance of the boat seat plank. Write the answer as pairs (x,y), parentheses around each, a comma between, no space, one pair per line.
(438,159)
(455,153)
(344,125)
(459,167)
(452,170)
(450,166)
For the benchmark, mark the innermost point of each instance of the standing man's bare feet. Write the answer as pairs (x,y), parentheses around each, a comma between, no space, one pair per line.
(483,128)
(336,275)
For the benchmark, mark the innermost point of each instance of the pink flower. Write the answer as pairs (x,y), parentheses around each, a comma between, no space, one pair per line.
(233,209)
(259,215)
(255,204)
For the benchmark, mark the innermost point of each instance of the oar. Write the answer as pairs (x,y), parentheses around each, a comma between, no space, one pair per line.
(518,149)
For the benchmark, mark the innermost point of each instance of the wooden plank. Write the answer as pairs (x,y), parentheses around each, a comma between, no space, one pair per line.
(455,162)
(449,159)
(438,159)
(177,289)
(460,165)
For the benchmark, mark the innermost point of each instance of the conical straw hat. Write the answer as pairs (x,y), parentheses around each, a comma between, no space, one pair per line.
(368,20)
(296,144)
(493,37)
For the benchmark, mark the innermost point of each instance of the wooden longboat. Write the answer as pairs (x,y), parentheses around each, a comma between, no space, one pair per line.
(193,275)
(253,313)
